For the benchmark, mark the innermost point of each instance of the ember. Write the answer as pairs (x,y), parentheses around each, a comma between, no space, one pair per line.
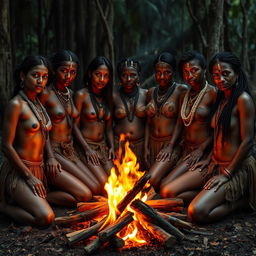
(128,215)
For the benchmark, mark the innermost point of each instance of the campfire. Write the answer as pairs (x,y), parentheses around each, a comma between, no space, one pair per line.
(129,216)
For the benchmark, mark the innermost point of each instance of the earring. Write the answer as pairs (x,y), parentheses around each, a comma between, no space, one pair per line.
(138,83)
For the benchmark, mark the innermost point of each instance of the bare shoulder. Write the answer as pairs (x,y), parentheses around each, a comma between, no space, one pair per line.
(181,87)
(81,94)
(14,105)
(143,91)
(245,99)
(212,91)
(44,95)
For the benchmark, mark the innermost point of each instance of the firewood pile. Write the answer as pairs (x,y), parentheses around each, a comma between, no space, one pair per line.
(162,218)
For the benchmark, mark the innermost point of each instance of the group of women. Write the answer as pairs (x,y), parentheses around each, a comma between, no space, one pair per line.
(195,139)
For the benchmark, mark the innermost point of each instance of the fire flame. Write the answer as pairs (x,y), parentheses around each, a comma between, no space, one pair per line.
(121,180)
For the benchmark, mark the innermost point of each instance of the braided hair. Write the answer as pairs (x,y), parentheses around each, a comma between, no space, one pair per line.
(128,62)
(237,89)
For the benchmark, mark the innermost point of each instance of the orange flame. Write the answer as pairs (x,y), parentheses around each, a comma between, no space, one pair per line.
(121,180)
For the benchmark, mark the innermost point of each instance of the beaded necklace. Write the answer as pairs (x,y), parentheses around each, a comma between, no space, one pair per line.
(187,119)
(98,107)
(40,113)
(161,99)
(65,99)
(132,98)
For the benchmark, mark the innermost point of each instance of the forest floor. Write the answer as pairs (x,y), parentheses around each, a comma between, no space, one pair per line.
(235,235)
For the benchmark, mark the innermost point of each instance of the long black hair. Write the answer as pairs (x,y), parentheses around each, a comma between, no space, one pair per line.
(188,56)
(107,90)
(27,64)
(237,89)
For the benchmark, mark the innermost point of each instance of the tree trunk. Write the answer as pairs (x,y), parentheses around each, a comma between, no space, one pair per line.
(215,22)
(244,53)
(92,33)
(6,84)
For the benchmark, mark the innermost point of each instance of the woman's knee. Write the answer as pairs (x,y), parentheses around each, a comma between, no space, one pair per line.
(83,195)
(198,213)
(167,191)
(44,217)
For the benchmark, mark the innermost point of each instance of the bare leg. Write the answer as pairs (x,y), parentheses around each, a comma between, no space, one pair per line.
(71,191)
(158,170)
(186,186)
(80,171)
(99,172)
(209,206)
(29,209)
(176,172)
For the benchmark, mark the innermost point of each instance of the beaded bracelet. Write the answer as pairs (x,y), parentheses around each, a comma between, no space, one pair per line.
(227,173)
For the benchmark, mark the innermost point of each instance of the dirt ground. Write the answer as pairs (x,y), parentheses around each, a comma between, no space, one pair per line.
(235,235)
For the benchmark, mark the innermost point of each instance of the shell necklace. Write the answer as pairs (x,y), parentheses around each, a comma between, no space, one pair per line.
(187,119)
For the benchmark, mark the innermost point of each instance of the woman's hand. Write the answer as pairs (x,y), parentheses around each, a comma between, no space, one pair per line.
(111,154)
(193,157)
(36,186)
(53,168)
(200,165)
(92,156)
(164,154)
(216,182)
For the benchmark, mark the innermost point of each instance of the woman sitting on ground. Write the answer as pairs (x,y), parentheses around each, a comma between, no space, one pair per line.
(24,177)
(229,182)
(94,105)
(57,99)
(163,111)
(130,107)
(195,118)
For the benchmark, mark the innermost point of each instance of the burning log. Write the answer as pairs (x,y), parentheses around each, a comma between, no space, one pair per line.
(176,221)
(167,205)
(133,192)
(77,236)
(117,242)
(85,206)
(87,215)
(109,232)
(152,216)
(161,235)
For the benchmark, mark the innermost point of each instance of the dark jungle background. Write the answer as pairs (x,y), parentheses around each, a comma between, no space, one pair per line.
(121,28)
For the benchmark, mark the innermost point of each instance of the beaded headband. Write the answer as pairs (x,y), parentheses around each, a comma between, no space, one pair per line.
(129,64)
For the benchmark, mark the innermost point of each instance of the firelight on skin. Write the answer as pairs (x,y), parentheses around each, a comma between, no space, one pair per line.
(224,77)
(163,74)
(194,74)
(129,79)
(65,74)
(99,78)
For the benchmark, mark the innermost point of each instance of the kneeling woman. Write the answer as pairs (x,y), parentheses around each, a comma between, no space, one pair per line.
(130,107)
(230,179)
(57,99)
(93,103)
(23,176)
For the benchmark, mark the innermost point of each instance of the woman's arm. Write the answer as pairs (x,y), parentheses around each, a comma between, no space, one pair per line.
(246,116)
(12,117)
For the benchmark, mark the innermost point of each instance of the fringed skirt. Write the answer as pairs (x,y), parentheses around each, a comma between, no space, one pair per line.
(65,149)
(241,185)
(155,146)
(9,177)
